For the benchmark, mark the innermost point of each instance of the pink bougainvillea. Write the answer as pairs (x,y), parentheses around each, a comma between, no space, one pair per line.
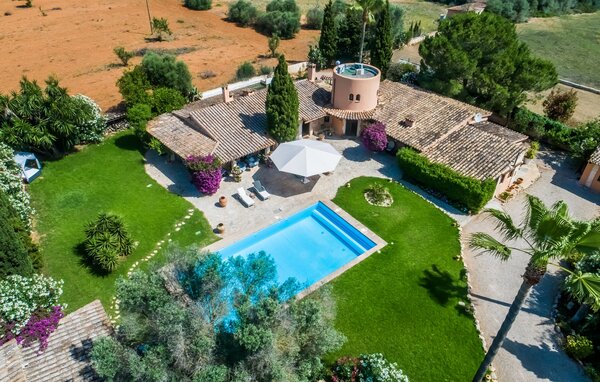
(374,137)
(206,173)
(38,328)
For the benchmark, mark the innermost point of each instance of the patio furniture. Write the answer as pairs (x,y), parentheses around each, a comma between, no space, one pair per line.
(252,161)
(244,198)
(241,165)
(305,157)
(261,190)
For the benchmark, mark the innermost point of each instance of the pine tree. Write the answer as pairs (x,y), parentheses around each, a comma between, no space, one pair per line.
(382,41)
(329,37)
(14,258)
(282,105)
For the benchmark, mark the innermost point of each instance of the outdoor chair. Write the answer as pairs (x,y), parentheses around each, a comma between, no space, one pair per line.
(252,161)
(244,198)
(260,190)
(242,165)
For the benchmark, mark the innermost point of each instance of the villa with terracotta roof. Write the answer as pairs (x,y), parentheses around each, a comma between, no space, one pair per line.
(591,174)
(446,131)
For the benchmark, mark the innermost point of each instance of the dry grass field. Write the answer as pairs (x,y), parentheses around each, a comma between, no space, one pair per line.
(75,41)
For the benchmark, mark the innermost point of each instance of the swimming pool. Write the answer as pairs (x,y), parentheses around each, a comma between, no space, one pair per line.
(309,245)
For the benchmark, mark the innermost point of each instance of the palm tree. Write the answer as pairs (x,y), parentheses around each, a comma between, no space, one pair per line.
(367,7)
(548,234)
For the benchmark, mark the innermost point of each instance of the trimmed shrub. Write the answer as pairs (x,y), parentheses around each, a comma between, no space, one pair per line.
(165,100)
(265,70)
(198,5)
(374,137)
(314,17)
(163,70)
(206,173)
(134,86)
(460,190)
(242,12)
(282,18)
(397,72)
(245,71)
(107,241)
(560,105)
(579,347)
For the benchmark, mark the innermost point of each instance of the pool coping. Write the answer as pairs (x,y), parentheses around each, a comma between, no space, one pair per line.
(379,243)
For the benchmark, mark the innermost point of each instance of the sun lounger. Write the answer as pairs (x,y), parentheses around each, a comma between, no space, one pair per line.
(260,190)
(244,198)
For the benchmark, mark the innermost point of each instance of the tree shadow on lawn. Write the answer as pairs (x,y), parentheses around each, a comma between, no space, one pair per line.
(87,263)
(130,142)
(442,287)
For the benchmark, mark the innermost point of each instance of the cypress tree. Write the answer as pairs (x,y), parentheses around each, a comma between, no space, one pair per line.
(329,37)
(282,105)
(14,258)
(382,41)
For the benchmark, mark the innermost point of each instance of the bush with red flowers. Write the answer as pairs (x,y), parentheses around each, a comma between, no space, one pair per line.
(374,137)
(206,173)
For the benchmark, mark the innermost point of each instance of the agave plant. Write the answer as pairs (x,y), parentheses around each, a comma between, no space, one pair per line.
(107,241)
(548,234)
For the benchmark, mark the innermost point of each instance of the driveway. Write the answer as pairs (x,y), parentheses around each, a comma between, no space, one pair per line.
(530,352)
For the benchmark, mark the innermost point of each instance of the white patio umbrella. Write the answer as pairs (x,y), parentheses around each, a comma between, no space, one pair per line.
(305,157)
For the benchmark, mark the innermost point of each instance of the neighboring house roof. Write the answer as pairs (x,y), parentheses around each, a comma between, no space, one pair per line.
(230,130)
(434,116)
(67,357)
(475,152)
(595,157)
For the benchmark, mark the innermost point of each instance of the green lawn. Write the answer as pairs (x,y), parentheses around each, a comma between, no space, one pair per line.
(427,12)
(108,177)
(571,42)
(402,302)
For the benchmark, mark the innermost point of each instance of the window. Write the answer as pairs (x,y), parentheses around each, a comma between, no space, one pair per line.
(357,97)
(351,97)
(326,119)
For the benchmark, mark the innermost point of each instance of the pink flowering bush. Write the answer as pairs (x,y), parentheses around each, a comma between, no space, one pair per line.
(206,173)
(37,329)
(374,137)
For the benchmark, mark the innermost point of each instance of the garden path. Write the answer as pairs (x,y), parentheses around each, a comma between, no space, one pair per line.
(531,351)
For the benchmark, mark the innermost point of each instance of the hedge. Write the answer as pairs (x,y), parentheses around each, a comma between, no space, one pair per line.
(461,191)
(580,141)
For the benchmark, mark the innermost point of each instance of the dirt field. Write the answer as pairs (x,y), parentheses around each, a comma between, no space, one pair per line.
(75,41)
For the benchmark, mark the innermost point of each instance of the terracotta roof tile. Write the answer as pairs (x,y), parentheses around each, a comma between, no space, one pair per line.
(67,356)
(500,131)
(434,115)
(476,153)
(349,114)
(230,130)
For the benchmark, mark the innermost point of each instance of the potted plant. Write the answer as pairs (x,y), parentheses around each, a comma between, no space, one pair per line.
(532,152)
(236,173)
(223,201)
(221,228)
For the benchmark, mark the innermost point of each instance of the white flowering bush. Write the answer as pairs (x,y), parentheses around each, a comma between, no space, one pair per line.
(21,297)
(367,368)
(375,368)
(12,185)
(92,129)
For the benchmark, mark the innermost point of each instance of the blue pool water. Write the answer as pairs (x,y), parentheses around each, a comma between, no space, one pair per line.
(308,245)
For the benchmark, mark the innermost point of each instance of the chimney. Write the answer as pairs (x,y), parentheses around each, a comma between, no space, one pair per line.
(227,97)
(312,72)
(409,121)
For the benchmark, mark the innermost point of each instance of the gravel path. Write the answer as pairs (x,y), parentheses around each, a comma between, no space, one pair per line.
(531,351)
